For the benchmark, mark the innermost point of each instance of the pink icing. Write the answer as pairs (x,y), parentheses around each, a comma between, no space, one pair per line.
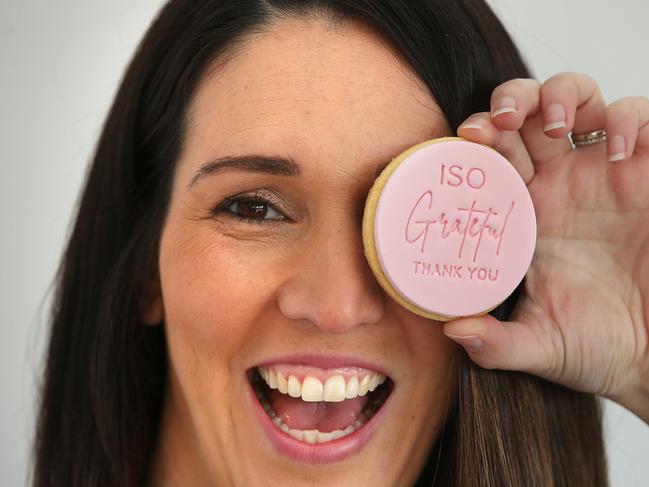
(455,228)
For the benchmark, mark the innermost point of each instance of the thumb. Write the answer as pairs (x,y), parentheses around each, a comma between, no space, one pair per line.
(495,344)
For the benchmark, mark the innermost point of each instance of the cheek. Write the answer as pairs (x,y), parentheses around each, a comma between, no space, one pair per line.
(435,381)
(427,344)
(434,357)
(215,291)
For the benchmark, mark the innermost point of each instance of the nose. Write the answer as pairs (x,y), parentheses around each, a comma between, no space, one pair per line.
(333,286)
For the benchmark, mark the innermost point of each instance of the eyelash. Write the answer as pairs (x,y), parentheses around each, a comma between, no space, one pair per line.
(226,205)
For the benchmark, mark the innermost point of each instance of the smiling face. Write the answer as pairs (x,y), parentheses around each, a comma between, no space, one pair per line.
(264,280)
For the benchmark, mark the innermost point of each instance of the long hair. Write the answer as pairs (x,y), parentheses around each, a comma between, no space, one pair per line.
(105,373)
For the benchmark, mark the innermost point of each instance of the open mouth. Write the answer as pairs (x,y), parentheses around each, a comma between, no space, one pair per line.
(316,405)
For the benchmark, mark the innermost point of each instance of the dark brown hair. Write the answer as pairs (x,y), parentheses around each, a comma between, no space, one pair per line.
(105,372)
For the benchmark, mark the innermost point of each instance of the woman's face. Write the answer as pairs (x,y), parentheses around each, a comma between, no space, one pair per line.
(288,289)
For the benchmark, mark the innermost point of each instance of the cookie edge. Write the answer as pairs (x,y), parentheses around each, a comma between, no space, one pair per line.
(369,242)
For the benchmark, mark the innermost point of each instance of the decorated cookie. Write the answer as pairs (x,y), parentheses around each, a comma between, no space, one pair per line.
(449,229)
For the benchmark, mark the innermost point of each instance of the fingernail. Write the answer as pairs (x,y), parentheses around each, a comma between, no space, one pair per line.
(506,104)
(472,123)
(616,148)
(471,343)
(555,117)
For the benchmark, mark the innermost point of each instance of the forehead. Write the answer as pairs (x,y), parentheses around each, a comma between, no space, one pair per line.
(304,90)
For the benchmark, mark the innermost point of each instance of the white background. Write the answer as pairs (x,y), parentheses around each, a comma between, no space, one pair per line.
(60,63)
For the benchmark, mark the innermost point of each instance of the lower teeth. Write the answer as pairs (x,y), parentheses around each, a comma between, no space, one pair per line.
(314,436)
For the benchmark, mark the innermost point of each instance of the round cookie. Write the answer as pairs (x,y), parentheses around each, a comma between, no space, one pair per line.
(449,229)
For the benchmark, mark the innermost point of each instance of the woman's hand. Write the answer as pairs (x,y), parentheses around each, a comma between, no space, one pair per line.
(583,319)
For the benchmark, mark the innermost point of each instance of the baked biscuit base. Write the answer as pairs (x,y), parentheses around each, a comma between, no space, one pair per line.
(369,242)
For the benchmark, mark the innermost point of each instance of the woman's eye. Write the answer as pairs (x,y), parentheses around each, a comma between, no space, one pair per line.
(255,210)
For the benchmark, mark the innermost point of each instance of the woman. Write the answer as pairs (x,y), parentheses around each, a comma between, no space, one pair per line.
(196,273)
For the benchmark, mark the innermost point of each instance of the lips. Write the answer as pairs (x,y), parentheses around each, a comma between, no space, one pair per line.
(319,409)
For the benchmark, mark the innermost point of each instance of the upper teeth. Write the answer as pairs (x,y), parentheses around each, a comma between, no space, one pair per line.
(334,389)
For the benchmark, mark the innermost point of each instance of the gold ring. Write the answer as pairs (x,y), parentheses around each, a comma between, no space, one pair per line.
(580,140)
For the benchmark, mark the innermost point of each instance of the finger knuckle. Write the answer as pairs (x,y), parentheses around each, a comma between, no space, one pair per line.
(516,85)
(621,108)
(560,79)
(571,83)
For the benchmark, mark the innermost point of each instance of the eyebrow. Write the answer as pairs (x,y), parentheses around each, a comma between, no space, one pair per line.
(278,166)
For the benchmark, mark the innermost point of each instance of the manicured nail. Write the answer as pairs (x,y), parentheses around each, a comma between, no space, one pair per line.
(555,117)
(616,148)
(506,104)
(472,123)
(472,343)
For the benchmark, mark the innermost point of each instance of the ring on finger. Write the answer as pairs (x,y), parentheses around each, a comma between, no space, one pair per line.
(590,138)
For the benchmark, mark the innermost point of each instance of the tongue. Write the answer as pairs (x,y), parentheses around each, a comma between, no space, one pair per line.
(322,416)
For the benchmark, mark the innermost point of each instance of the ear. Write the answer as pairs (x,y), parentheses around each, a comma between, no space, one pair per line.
(151,305)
